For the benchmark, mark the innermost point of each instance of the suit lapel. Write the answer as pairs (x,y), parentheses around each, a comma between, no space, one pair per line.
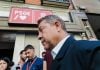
(63,51)
(65,48)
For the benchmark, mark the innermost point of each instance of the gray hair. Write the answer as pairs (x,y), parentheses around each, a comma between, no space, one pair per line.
(51,19)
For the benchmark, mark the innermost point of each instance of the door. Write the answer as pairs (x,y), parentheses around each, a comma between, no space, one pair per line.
(7,41)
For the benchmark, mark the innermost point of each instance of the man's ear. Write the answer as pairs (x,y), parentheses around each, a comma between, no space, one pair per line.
(58,25)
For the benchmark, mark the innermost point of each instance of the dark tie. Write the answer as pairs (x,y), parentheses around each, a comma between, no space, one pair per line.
(48,57)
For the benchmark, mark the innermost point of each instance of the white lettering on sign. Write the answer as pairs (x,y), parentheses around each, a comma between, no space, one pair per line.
(22,15)
(42,15)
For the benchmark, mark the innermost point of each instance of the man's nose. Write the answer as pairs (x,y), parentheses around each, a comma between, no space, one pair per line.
(39,36)
(27,56)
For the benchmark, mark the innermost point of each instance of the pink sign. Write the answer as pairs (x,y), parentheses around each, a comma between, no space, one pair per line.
(40,13)
(26,15)
(21,15)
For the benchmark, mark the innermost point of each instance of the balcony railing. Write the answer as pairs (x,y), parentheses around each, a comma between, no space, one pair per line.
(56,3)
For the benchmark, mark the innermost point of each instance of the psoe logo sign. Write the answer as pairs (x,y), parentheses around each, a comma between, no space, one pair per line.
(20,15)
(27,15)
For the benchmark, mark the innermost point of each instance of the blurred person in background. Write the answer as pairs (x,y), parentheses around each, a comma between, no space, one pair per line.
(33,62)
(22,60)
(5,63)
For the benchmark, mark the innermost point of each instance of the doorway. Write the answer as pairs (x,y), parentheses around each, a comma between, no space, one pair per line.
(94,20)
(7,42)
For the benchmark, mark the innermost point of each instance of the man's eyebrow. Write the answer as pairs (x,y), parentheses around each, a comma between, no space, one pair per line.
(41,27)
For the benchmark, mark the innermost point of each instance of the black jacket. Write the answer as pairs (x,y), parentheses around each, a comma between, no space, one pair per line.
(78,55)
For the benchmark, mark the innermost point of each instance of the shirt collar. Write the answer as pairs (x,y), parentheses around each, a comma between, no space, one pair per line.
(31,60)
(57,48)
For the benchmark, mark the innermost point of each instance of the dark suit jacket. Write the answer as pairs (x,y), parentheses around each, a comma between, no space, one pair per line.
(78,55)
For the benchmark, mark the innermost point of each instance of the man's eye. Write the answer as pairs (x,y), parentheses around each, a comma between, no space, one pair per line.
(28,52)
(40,30)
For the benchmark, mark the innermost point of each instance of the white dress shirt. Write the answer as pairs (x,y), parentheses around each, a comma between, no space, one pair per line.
(57,48)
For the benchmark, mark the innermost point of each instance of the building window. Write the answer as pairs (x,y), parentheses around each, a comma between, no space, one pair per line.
(17,1)
(56,3)
(63,1)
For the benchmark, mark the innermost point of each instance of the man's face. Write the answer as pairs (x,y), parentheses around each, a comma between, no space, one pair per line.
(30,53)
(47,33)
(23,55)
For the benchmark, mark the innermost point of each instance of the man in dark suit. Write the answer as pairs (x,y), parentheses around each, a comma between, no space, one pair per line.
(68,53)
